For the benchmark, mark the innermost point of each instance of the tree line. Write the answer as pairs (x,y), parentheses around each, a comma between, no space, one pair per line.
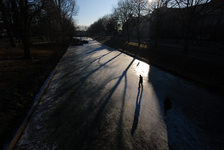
(50,20)
(180,19)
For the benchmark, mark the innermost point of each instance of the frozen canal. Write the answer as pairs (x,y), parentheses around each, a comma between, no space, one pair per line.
(93,102)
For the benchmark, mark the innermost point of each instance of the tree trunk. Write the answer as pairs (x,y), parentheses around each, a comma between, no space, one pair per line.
(139,41)
(156,36)
(10,36)
(26,48)
(157,28)
(186,46)
(25,34)
(128,34)
(123,34)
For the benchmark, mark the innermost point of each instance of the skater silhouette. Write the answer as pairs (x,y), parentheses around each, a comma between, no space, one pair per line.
(140,81)
(167,105)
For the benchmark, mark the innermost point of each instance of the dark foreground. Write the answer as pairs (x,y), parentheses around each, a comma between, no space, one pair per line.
(21,80)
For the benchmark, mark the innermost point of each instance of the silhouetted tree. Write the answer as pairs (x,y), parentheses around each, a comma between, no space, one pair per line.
(97,28)
(191,11)
(140,8)
(112,26)
(124,13)
(44,18)
(23,12)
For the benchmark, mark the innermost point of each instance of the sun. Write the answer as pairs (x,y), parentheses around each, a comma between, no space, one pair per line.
(150,1)
(153,1)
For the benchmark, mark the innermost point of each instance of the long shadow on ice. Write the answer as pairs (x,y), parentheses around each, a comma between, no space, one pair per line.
(137,110)
(81,81)
(87,119)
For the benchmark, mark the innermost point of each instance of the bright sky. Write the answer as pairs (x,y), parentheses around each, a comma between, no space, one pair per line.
(91,10)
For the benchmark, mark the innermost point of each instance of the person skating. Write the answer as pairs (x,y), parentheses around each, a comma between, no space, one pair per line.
(167,105)
(140,81)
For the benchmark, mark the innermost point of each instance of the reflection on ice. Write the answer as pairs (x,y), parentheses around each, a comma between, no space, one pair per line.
(142,68)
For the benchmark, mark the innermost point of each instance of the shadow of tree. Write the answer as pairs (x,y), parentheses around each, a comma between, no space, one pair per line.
(137,110)
(80,82)
(93,107)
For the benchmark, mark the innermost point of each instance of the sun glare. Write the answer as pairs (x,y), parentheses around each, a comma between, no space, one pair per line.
(142,68)
(151,1)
